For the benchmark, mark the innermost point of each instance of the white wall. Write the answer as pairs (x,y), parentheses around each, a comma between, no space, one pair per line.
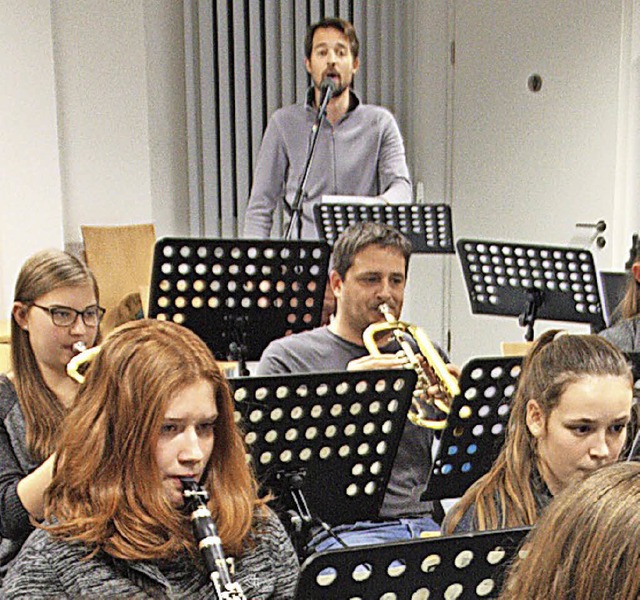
(93,122)
(30,191)
(102,107)
(426,140)
(628,164)
(120,84)
(167,116)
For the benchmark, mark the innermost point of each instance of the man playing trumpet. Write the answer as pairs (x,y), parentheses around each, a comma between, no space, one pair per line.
(369,268)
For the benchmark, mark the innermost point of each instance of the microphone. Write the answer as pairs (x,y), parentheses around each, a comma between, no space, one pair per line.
(327,89)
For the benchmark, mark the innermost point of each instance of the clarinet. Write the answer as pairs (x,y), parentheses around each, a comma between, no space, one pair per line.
(209,544)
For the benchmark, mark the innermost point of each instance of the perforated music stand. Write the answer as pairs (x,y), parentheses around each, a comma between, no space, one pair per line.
(427,226)
(461,566)
(531,282)
(324,443)
(476,426)
(238,295)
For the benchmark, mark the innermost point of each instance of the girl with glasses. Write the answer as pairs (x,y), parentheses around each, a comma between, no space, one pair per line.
(56,306)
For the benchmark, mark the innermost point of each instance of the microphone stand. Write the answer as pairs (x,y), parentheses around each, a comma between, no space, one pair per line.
(296,207)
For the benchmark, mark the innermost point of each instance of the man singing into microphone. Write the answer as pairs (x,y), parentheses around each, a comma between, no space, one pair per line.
(359,150)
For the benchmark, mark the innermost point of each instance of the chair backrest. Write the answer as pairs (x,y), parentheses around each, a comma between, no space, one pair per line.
(515,348)
(5,345)
(5,331)
(121,258)
(5,357)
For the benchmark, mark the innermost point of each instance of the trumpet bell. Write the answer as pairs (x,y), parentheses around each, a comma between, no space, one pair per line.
(435,373)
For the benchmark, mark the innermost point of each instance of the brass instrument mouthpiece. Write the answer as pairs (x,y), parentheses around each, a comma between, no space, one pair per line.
(385,309)
(84,355)
(79,347)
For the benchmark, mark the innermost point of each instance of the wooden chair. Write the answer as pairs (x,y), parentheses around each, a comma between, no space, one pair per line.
(5,357)
(515,348)
(5,331)
(121,259)
(5,346)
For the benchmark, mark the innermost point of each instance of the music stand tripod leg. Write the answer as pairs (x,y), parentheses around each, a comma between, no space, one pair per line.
(301,518)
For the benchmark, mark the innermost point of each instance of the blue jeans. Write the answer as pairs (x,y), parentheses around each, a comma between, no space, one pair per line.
(373,532)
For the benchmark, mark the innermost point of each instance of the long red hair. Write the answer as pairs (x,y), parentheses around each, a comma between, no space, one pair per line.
(106,490)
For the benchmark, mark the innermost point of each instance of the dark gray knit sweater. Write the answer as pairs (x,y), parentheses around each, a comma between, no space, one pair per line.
(50,568)
(15,463)
(624,334)
(467,523)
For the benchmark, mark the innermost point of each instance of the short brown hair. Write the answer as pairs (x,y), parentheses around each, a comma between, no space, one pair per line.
(358,236)
(335,23)
(634,251)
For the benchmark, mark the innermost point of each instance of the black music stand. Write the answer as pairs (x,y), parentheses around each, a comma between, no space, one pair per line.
(531,282)
(460,566)
(476,426)
(324,443)
(238,295)
(427,226)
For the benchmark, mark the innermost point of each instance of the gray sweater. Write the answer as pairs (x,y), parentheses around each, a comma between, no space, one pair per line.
(50,568)
(624,334)
(362,155)
(15,463)
(321,350)
(467,523)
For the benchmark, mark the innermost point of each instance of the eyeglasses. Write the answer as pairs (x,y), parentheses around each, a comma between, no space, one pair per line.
(65,316)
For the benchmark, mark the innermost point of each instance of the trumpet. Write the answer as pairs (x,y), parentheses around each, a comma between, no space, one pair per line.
(435,373)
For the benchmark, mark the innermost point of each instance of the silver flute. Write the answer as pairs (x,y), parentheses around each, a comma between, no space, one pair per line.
(209,544)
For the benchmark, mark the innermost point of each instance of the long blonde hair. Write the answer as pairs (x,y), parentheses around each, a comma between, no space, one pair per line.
(630,304)
(43,412)
(587,544)
(553,363)
(107,490)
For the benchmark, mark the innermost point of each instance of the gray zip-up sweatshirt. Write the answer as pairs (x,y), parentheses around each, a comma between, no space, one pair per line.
(361,155)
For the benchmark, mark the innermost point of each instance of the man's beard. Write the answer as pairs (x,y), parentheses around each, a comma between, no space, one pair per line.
(339,88)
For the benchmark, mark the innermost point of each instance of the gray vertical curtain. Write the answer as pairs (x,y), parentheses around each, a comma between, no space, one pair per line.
(245,60)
